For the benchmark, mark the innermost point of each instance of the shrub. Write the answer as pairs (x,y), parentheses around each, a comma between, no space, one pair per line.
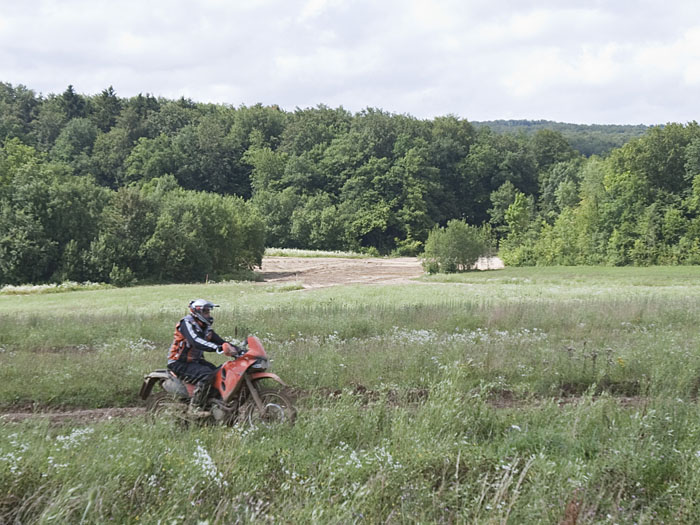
(122,277)
(455,248)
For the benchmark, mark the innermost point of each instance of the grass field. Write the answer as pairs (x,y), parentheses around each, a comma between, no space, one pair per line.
(531,395)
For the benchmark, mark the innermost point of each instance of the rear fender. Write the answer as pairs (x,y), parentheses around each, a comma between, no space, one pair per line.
(267,375)
(157,376)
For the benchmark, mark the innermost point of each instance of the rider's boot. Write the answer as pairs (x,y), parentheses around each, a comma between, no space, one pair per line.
(198,400)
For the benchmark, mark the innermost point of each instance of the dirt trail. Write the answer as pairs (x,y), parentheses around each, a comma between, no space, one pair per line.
(498,401)
(82,415)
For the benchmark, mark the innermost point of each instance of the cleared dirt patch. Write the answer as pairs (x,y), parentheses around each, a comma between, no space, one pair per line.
(318,272)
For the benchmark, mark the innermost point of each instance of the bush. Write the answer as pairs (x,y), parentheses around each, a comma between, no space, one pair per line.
(455,248)
(122,277)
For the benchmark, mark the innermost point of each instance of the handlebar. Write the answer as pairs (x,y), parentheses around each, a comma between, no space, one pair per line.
(242,349)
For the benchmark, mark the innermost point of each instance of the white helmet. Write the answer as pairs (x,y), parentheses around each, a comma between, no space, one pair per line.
(201,310)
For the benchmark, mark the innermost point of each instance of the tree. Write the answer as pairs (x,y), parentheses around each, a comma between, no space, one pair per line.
(109,155)
(365,211)
(492,161)
(550,147)
(449,144)
(74,145)
(416,203)
(106,107)
(125,225)
(172,116)
(18,106)
(152,158)
(315,224)
(201,235)
(72,104)
(135,114)
(501,199)
(208,158)
(44,211)
(559,188)
(307,129)
(276,209)
(660,158)
(517,248)
(48,123)
(268,169)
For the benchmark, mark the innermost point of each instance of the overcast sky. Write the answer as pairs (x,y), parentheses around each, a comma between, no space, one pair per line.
(592,61)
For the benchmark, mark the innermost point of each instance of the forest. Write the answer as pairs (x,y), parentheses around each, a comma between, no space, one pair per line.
(110,189)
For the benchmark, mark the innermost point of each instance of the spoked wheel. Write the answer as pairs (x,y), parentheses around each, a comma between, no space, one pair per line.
(163,404)
(277,408)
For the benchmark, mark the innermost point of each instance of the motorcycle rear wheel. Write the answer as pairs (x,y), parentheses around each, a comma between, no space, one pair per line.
(163,404)
(278,408)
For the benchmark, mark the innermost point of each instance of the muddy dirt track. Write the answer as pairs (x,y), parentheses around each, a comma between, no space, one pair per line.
(499,401)
(318,272)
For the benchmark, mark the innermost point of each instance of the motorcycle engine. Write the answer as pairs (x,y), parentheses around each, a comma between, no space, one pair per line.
(218,413)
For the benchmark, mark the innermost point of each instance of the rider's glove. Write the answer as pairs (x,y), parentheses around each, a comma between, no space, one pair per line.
(230,350)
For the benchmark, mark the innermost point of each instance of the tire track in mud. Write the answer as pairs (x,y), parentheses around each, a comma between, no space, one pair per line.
(365,396)
(87,415)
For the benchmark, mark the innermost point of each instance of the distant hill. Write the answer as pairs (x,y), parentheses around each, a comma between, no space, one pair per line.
(589,139)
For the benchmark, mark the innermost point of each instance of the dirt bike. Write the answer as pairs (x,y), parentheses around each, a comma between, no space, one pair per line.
(236,393)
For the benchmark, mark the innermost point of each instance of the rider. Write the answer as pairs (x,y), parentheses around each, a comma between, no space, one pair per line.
(193,337)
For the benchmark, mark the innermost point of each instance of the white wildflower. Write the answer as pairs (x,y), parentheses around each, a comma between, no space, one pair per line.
(75,438)
(203,460)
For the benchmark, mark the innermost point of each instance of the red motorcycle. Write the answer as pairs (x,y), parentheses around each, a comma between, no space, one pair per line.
(236,394)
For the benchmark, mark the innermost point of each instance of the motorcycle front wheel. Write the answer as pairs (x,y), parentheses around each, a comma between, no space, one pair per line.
(277,408)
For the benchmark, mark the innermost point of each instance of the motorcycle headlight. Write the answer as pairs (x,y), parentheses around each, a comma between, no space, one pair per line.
(260,364)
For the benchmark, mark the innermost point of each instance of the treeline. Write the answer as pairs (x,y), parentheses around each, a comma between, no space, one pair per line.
(640,205)
(107,188)
(587,139)
(57,226)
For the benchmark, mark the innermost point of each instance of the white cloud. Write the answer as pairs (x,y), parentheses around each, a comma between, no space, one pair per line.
(679,58)
(624,62)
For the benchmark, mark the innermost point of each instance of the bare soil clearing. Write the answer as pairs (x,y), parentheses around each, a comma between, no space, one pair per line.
(318,272)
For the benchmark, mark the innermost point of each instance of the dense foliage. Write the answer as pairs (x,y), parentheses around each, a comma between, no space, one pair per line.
(58,226)
(171,178)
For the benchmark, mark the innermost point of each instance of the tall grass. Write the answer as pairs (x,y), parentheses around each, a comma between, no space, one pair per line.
(519,396)
(449,459)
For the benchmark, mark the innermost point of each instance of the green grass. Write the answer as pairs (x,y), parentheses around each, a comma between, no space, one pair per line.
(486,397)
(67,286)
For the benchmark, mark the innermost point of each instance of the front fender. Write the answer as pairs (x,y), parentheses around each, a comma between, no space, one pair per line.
(267,375)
